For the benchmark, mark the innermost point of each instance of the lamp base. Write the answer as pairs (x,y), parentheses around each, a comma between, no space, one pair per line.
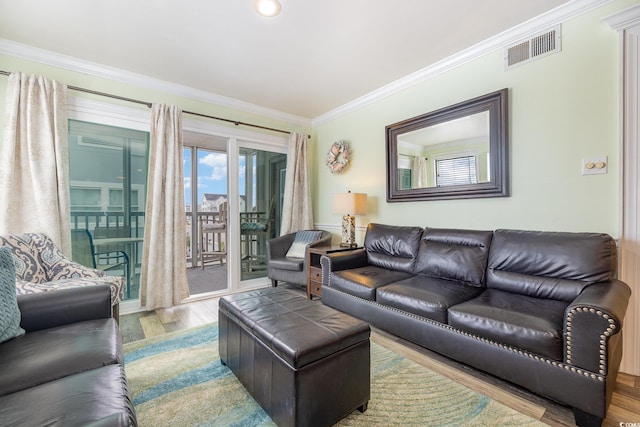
(348,232)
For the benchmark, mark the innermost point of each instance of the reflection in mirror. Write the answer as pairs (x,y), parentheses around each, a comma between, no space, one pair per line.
(450,153)
(456,152)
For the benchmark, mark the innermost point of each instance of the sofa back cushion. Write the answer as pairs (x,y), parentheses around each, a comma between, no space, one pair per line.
(392,247)
(459,255)
(551,265)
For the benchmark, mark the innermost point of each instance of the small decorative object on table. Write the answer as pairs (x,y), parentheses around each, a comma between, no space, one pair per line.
(338,156)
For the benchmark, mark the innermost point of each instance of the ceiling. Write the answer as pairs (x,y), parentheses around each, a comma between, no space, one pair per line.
(314,57)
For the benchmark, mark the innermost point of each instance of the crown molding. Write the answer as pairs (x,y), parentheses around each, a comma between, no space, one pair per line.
(71,63)
(522,31)
(553,17)
(624,19)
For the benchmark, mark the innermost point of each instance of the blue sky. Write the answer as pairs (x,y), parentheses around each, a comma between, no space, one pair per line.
(212,173)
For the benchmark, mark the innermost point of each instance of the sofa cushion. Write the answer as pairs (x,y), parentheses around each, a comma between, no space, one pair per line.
(291,264)
(392,247)
(98,397)
(426,296)
(9,311)
(550,264)
(42,356)
(459,255)
(517,320)
(363,282)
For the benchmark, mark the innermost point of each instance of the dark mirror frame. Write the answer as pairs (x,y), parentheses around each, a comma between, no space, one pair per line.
(498,186)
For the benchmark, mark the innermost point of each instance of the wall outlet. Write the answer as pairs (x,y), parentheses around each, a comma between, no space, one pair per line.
(594,165)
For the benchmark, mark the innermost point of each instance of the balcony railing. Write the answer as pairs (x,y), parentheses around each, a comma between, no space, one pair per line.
(91,219)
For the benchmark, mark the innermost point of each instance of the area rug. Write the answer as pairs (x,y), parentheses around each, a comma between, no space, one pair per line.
(177,379)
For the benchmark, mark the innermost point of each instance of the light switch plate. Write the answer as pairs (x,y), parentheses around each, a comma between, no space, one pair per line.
(594,165)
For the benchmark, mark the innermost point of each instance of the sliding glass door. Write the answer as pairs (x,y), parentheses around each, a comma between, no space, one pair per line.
(108,190)
(233,203)
(261,183)
(206,207)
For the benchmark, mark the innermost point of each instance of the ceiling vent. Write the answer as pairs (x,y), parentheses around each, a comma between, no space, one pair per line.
(535,47)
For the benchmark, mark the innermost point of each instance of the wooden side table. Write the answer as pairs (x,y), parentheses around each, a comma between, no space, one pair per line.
(314,270)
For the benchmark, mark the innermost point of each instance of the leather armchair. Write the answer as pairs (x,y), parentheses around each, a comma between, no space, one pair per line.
(282,268)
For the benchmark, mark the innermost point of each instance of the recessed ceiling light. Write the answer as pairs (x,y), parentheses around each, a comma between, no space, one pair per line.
(268,8)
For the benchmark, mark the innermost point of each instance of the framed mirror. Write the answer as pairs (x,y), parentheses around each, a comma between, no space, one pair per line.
(457,152)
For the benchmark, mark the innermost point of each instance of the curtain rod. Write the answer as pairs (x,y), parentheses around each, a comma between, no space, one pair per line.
(149,104)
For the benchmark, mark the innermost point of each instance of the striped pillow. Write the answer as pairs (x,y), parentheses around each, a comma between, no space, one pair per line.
(301,241)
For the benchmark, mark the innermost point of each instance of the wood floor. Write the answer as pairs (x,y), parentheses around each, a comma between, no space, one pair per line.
(625,405)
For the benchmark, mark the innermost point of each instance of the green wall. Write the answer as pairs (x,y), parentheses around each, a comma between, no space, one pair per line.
(72,78)
(562,108)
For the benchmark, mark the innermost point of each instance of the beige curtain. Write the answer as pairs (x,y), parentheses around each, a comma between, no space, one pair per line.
(34,160)
(296,210)
(163,281)
(419,171)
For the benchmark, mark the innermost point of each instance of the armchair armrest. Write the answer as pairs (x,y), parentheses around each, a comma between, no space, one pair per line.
(57,266)
(68,269)
(342,261)
(323,241)
(591,320)
(45,310)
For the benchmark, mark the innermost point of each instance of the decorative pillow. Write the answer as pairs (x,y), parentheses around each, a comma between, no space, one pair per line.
(301,241)
(9,312)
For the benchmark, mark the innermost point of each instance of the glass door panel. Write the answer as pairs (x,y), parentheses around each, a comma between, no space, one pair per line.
(261,183)
(108,190)
(206,205)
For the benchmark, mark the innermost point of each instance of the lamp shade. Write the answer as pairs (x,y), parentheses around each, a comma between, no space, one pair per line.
(350,203)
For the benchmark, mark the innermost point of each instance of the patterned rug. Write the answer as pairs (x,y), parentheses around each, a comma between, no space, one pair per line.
(177,379)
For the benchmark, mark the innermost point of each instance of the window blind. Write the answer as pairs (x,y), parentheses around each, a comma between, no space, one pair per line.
(456,171)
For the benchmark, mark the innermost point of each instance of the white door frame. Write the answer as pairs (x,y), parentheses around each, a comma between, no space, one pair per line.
(627,23)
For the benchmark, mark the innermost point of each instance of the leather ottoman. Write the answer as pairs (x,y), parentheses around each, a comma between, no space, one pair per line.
(305,363)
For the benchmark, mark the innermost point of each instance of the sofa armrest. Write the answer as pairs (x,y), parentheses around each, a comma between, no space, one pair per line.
(591,320)
(62,307)
(342,261)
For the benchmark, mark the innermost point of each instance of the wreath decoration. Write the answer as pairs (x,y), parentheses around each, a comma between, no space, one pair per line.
(338,157)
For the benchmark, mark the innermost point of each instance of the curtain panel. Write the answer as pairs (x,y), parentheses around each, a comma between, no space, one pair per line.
(34,160)
(163,280)
(297,213)
(419,171)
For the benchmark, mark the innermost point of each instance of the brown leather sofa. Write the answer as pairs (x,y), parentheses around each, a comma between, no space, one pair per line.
(68,368)
(540,309)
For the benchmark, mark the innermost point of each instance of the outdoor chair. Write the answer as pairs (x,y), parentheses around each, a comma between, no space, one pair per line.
(213,232)
(83,251)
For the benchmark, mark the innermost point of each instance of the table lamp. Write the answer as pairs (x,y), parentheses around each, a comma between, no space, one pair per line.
(349,204)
